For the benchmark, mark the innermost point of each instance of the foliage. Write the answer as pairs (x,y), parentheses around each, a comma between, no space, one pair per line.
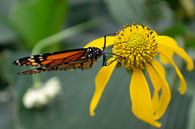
(37,19)
(23,23)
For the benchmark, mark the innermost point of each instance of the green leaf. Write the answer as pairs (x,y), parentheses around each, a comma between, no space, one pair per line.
(37,19)
(191,113)
(141,11)
(178,29)
(6,34)
(127,11)
(190,40)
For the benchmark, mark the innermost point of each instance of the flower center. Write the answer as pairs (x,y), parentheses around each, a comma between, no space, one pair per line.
(135,46)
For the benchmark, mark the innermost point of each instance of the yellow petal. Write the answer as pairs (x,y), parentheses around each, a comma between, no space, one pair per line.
(155,101)
(100,82)
(141,98)
(159,79)
(168,50)
(168,42)
(160,68)
(99,42)
(156,82)
(182,87)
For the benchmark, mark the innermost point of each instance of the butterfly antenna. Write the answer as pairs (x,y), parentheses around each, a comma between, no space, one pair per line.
(104,43)
(104,47)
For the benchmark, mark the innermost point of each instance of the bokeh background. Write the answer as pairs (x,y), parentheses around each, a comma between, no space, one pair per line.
(52,25)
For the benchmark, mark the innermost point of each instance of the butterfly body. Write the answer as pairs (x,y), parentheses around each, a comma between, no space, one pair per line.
(82,58)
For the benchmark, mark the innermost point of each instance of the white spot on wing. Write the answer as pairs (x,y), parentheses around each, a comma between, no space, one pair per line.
(18,62)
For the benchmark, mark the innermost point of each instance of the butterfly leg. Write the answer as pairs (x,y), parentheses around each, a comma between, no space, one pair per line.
(104,55)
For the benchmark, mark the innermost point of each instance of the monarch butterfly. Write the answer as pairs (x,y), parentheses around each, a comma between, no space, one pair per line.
(82,58)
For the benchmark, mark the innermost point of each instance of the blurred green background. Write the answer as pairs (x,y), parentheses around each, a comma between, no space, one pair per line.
(69,24)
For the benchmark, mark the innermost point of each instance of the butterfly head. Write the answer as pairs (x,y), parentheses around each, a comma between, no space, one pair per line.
(94,53)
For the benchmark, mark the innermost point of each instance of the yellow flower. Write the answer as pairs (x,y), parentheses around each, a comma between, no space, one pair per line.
(136,47)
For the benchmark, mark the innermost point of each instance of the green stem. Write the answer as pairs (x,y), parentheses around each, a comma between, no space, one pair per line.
(65,34)
(36,81)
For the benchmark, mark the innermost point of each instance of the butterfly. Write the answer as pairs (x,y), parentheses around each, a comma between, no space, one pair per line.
(82,58)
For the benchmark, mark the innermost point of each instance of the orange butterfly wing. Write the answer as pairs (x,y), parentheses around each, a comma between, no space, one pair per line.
(82,64)
(82,58)
(52,59)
